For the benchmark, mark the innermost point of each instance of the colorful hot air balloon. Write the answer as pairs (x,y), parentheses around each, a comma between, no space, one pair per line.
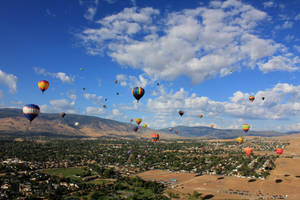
(155,137)
(181,112)
(201,115)
(43,85)
(251,98)
(240,140)
(279,151)
(212,126)
(138,121)
(245,127)
(170,129)
(138,93)
(145,125)
(248,151)
(31,111)
(135,129)
(62,114)
(176,132)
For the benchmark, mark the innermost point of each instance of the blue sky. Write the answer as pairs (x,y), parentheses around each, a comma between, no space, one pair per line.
(189,47)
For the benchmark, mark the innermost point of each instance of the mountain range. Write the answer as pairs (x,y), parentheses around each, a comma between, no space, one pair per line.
(14,124)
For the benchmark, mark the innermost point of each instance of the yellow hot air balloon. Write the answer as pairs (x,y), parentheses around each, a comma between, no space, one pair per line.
(43,85)
(138,121)
(240,140)
(145,125)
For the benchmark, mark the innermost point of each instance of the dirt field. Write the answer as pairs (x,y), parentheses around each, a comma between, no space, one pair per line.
(239,188)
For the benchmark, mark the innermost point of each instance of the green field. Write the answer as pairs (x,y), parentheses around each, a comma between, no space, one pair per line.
(66,172)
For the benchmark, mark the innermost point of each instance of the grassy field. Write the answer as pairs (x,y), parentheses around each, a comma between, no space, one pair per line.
(65,172)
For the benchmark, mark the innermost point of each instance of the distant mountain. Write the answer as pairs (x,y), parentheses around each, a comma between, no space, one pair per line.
(13,123)
(207,132)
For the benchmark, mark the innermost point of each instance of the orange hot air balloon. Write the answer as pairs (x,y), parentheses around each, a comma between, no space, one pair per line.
(155,137)
(201,116)
(138,121)
(279,151)
(248,151)
(240,140)
(212,126)
(251,98)
(43,85)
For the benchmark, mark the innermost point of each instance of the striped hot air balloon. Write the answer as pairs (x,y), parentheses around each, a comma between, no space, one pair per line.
(43,85)
(248,151)
(31,111)
(251,98)
(245,127)
(155,137)
(138,93)
(138,121)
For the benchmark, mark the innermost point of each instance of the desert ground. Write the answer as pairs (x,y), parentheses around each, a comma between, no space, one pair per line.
(227,187)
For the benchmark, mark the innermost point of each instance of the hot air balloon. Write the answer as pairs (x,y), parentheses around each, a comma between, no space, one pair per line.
(230,70)
(212,126)
(31,111)
(245,127)
(240,140)
(155,137)
(138,121)
(83,89)
(251,98)
(117,93)
(248,151)
(181,112)
(201,115)
(76,124)
(263,98)
(157,84)
(81,69)
(62,114)
(176,132)
(43,85)
(279,151)
(138,93)
(105,99)
(116,81)
(131,120)
(170,129)
(135,129)
(104,106)
(145,125)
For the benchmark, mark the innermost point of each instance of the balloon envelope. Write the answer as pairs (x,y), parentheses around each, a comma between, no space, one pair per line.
(138,93)
(181,112)
(31,111)
(138,121)
(251,98)
(76,123)
(248,151)
(135,129)
(155,137)
(145,125)
(245,127)
(62,114)
(240,140)
(43,85)
(201,116)
(279,151)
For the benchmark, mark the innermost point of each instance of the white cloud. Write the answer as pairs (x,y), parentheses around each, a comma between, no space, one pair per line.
(9,80)
(281,102)
(132,81)
(297,17)
(94,111)
(269,4)
(280,63)
(116,112)
(59,75)
(187,42)
(93,97)
(91,8)
(59,105)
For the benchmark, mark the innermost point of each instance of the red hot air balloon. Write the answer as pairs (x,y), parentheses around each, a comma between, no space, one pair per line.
(43,85)
(245,127)
(181,112)
(279,151)
(155,137)
(248,151)
(135,129)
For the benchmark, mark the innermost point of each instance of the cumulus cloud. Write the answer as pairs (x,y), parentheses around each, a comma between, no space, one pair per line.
(269,4)
(297,17)
(59,75)
(94,98)
(281,102)
(132,81)
(280,63)
(187,42)
(59,105)
(9,80)
(116,112)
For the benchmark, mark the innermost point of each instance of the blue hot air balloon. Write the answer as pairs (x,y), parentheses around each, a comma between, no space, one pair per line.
(31,111)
